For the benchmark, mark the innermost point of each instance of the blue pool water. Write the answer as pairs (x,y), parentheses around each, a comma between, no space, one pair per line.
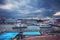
(31,33)
(10,35)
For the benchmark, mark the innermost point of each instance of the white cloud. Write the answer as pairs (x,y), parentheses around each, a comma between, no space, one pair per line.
(57,14)
(41,10)
(38,11)
(24,11)
(15,4)
(20,3)
(7,6)
(23,3)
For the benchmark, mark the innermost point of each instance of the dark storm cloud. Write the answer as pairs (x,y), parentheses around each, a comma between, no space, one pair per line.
(50,4)
(48,8)
(2,2)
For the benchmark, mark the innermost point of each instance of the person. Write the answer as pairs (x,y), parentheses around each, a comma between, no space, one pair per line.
(19,36)
(44,33)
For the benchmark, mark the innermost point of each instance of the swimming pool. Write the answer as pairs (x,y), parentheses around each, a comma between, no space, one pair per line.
(10,35)
(31,33)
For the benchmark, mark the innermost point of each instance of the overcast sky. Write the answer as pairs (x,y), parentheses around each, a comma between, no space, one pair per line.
(29,8)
